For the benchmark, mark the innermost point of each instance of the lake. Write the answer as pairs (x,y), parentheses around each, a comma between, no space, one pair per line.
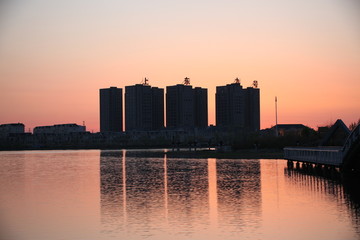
(93,194)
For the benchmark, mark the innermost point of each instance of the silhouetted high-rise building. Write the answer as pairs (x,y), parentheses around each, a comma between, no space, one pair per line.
(157,108)
(201,107)
(238,107)
(230,105)
(111,110)
(144,107)
(252,109)
(179,106)
(186,107)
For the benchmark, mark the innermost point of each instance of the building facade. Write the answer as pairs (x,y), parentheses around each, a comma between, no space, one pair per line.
(10,128)
(186,107)
(238,107)
(157,108)
(252,109)
(230,105)
(111,110)
(144,108)
(60,129)
(201,107)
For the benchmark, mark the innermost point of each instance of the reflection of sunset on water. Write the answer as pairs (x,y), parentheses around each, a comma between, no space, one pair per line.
(119,194)
(213,197)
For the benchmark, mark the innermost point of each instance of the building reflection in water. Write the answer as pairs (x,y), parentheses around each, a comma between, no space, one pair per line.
(159,196)
(132,192)
(239,194)
(340,188)
(112,185)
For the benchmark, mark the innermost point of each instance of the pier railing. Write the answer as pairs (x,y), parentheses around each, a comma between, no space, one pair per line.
(321,155)
(333,156)
(353,137)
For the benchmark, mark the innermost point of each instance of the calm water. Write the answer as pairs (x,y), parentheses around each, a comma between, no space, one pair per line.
(93,194)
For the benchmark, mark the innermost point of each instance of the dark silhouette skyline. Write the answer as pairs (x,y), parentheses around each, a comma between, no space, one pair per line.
(186,107)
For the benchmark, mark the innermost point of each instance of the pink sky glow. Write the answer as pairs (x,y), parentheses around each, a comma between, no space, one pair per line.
(56,55)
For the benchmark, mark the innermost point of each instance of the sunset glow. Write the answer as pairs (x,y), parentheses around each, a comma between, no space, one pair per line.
(56,55)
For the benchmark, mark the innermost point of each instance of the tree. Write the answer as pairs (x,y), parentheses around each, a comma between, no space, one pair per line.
(353,125)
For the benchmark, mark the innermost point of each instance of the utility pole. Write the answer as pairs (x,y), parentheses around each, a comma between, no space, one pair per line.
(276,126)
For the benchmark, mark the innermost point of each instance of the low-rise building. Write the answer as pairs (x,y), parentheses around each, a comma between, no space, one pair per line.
(60,129)
(11,128)
(289,129)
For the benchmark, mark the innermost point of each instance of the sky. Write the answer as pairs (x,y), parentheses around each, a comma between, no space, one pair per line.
(56,55)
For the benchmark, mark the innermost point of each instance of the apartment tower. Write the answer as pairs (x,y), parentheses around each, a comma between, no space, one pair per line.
(238,107)
(186,107)
(144,107)
(111,110)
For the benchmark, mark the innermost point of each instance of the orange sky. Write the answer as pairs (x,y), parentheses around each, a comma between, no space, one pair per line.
(54,56)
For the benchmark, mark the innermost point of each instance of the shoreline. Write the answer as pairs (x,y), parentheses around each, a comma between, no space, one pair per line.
(182,153)
(239,154)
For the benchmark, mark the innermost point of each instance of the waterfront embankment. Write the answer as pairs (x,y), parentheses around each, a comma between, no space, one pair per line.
(239,154)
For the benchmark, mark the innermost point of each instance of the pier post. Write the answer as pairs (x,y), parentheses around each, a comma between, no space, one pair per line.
(290,164)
